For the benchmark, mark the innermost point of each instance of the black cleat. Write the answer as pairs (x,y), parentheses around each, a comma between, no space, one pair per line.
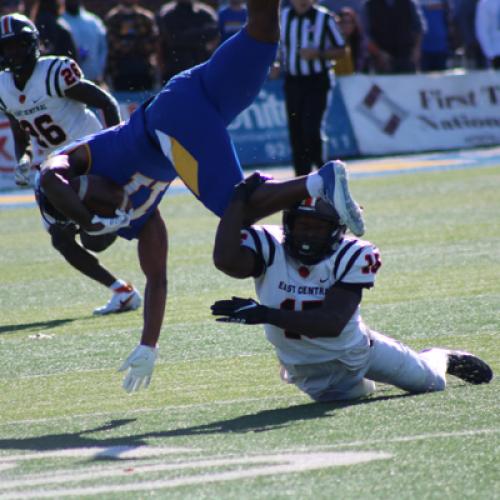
(468,367)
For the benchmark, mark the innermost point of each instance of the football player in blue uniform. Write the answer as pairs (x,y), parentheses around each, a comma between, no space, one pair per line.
(182,132)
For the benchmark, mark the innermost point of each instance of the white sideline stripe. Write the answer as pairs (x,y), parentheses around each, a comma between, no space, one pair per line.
(271,465)
(155,410)
(96,452)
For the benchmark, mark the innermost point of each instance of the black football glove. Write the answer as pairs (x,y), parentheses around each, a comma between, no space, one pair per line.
(244,189)
(238,310)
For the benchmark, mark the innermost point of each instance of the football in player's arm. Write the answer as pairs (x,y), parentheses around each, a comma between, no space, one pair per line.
(309,278)
(182,133)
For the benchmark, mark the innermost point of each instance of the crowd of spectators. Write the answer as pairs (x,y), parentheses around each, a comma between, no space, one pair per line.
(140,44)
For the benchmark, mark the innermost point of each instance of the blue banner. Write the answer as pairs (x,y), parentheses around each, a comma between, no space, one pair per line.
(260,133)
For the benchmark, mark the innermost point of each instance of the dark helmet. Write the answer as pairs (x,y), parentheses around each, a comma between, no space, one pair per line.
(312,249)
(19,28)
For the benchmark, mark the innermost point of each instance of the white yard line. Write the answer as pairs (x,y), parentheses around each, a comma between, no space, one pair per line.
(285,461)
(269,465)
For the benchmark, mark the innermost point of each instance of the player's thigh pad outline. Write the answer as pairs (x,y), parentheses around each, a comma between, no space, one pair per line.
(392,362)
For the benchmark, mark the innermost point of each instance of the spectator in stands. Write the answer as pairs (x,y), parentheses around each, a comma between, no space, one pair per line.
(488,30)
(435,42)
(189,33)
(11,6)
(132,38)
(465,21)
(55,33)
(232,17)
(350,27)
(89,34)
(337,5)
(394,30)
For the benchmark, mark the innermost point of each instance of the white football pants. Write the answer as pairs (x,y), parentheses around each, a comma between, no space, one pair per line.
(389,362)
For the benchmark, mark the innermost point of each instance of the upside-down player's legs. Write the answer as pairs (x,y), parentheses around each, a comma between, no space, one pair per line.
(234,75)
(194,137)
(192,113)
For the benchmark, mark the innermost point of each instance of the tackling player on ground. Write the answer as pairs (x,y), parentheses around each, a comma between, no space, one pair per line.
(183,133)
(47,99)
(310,277)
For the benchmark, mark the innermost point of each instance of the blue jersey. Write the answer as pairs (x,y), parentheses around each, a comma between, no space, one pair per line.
(183,132)
(127,155)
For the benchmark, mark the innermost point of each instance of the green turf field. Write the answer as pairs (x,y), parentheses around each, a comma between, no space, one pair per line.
(216,421)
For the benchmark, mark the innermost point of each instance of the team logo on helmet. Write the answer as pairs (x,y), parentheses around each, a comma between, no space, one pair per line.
(307,247)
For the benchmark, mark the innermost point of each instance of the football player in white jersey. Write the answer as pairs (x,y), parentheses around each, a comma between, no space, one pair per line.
(47,100)
(309,278)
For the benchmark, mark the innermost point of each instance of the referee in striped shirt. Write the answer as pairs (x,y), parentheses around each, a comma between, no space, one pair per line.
(310,40)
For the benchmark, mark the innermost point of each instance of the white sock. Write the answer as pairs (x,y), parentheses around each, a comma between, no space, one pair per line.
(314,185)
(436,358)
(117,284)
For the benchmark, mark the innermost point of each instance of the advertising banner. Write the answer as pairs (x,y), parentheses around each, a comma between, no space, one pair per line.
(410,113)
(260,133)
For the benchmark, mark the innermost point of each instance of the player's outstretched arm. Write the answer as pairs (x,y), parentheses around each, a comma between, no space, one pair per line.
(93,96)
(152,248)
(326,321)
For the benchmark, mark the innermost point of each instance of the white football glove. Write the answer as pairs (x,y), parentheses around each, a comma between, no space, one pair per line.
(111,224)
(22,171)
(140,365)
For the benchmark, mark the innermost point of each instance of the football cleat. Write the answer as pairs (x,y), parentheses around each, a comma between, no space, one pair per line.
(336,192)
(469,367)
(125,298)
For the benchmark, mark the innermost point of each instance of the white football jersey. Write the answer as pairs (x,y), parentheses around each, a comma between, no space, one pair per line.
(42,109)
(287,284)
